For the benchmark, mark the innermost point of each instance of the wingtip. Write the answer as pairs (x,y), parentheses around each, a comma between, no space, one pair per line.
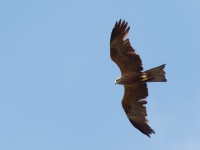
(128,28)
(123,27)
(163,65)
(149,134)
(120,22)
(146,131)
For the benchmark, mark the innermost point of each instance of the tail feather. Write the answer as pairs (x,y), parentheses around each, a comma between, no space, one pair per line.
(156,74)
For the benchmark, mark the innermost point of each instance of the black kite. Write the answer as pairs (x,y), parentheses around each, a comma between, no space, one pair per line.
(132,77)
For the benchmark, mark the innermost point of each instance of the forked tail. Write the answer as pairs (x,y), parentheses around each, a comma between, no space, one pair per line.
(156,74)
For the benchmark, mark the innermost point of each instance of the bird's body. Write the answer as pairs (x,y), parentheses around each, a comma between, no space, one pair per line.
(128,79)
(132,77)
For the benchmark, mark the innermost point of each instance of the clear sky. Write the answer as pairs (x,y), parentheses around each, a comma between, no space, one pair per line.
(57,79)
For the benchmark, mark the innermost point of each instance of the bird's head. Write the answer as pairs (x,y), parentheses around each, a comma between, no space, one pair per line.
(118,81)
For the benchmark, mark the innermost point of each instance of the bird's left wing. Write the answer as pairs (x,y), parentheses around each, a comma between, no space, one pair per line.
(121,51)
(133,103)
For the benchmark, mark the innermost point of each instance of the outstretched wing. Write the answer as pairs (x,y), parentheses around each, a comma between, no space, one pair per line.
(133,103)
(121,51)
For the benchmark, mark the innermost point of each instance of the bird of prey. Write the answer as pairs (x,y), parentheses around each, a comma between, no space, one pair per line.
(133,77)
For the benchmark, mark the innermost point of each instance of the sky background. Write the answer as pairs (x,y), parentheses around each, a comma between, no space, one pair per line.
(57,88)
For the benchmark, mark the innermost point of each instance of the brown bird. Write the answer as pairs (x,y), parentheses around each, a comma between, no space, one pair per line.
(132,77)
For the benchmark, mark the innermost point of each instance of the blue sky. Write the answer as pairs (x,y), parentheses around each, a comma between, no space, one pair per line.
(57,79)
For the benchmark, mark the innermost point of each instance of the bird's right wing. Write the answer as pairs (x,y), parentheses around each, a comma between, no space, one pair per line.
(133,103)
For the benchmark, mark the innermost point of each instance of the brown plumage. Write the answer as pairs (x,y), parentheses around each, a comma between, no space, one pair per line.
(132,77)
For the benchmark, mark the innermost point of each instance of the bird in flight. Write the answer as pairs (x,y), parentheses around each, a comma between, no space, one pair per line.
(133,78)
